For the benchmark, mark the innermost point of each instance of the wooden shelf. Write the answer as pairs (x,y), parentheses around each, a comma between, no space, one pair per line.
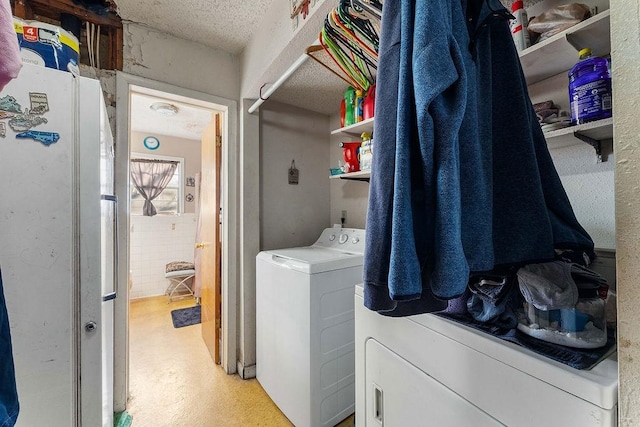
(592,133)
(358,176)
(560,52)
(599,130)
(356,129)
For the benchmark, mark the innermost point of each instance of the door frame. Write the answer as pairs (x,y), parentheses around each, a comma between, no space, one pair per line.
(229,178)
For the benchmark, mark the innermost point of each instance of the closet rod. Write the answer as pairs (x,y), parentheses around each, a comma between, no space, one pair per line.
(264,96)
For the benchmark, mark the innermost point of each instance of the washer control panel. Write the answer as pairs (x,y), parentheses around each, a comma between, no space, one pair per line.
(344,239)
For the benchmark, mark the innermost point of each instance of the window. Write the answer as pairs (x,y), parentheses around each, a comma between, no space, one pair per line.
(170,201)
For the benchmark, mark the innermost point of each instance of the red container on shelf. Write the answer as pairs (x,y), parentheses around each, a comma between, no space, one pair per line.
(350,155)
(368,106)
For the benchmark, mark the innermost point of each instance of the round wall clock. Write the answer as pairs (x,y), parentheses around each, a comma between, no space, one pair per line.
(151,143)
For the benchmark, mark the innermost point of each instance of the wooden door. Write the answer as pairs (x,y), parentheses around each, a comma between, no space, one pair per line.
(210,244)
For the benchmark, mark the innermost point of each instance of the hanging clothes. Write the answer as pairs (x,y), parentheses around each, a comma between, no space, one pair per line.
(10,62)
(462,180)
(9,406)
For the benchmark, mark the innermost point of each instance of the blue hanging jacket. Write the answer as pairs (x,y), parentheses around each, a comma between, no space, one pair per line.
(9,406)
(462,179)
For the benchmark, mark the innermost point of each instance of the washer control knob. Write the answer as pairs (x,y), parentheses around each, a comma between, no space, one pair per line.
(343,238)
(332,237)
(355,240)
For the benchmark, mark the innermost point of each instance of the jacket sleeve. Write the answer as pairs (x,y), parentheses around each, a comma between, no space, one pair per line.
(426,240)
(379,212)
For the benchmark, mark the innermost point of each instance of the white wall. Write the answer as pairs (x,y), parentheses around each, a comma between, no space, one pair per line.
(351,196)
(293,215)
(625,39)
(590,187)
(152,54)
(588,184)
(190,150)
(276,45)
(250,237)
(156,241)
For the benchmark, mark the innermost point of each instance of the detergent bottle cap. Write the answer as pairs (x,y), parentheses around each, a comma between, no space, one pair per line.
(584,53)
(365,136)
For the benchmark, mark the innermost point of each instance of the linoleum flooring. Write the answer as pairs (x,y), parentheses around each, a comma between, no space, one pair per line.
(174,382)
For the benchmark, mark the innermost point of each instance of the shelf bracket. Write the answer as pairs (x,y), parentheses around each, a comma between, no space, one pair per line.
(355,179)
(595,143)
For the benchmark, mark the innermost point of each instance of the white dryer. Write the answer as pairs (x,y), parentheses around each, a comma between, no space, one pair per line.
(428,371)
(305,326)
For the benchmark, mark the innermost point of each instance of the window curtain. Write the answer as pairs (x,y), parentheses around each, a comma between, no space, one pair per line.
(151,177)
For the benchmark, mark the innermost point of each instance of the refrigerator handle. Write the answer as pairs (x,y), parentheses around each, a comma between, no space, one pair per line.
(114,199)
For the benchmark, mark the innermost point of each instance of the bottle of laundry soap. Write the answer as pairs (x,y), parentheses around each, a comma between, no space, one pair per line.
(590,88)
(359,105)
(366,151)
(349,103)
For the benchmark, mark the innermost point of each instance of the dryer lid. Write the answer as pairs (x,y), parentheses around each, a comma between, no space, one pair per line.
(312,259)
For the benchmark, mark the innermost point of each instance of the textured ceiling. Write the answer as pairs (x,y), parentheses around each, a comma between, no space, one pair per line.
(188,123)
(229,25)
(312,87)
(222,24)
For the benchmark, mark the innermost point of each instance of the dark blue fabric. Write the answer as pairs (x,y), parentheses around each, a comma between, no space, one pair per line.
(501,313)
(532,213)
(577,358)
(377,257)
(462,179)
(9,406)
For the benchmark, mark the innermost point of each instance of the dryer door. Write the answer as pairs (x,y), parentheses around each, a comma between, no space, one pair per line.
(399,394)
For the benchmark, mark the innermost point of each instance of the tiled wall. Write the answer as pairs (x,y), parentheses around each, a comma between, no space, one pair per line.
(156,241)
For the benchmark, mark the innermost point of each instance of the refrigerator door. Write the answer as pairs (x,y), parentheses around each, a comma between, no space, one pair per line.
(109,259)
(57,251)
(37,251)
(97,255)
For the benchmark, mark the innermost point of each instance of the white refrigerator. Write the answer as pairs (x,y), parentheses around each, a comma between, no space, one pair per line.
(58,252)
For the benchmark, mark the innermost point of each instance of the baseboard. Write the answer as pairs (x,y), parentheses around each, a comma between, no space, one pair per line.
(246,372)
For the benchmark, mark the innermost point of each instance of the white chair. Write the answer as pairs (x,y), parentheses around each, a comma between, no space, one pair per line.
(179,273)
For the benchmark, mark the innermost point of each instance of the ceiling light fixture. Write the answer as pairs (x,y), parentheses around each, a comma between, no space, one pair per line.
(164,108)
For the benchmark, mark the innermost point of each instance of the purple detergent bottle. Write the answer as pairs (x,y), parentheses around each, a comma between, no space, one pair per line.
(590,88)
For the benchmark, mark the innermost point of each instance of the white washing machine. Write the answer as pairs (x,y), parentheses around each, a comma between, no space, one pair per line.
(305,326)
(428,371)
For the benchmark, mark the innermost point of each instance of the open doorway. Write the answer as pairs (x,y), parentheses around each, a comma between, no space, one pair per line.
(174,148)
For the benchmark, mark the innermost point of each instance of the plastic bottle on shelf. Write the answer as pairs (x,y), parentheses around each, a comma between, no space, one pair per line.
(366,151)
(519,26)
(349,103)
(358,106)
(590,88)
(342,112)
(368,105)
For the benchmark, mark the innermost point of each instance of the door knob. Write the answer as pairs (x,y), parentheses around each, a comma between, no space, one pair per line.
(200,245)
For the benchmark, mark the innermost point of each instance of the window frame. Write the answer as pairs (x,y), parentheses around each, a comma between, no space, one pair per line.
(181,180)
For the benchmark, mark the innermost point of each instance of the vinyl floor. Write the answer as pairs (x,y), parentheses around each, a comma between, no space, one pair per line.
(174,382)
